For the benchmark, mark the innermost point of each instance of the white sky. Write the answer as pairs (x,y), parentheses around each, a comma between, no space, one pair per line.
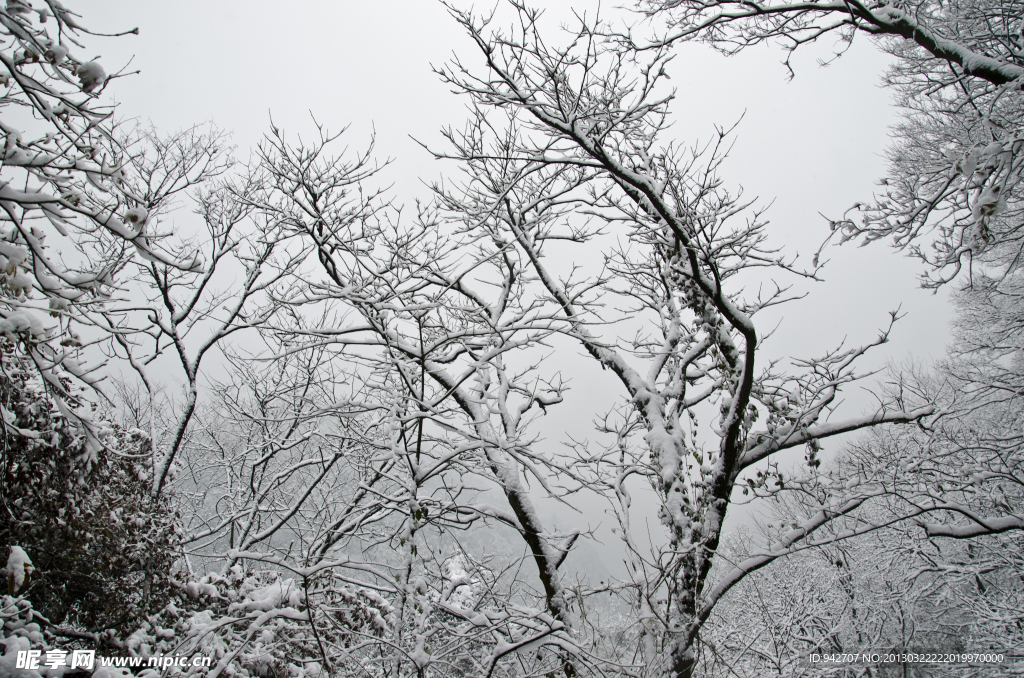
(813,145)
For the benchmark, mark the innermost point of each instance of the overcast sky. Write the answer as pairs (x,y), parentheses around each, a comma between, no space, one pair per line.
(812,145)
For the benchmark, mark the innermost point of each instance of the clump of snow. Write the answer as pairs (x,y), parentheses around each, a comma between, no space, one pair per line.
(197,589)
(56,54)
(58,305)
(13,253)
(463,587)
(989,203)
(8,662)
(136,216)
(20,322)
(278,594)
(19,282)
(91,75)
(19,568)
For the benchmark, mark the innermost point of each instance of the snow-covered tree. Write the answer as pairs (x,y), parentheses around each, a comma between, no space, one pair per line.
(451,326)
(175,316)
(70,223)
(388,409)
(23,629)
(75,487)
(377,416)
(954,187)
(569,143)
(963,553)
(951,197)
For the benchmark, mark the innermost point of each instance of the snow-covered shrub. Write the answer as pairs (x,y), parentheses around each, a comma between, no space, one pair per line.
(22,629)
(102,548)
(287,621)
(250,623)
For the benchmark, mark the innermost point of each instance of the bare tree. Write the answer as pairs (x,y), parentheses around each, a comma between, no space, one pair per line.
(71,223)
(580,127)
(954,185)
(439,327)
(263,465)
(181,314)
(952,198)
